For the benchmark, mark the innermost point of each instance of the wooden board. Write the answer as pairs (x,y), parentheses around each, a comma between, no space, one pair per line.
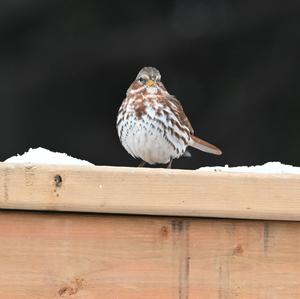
(51,255)
(150,191)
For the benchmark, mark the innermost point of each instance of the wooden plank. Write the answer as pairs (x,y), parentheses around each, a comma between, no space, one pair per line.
(150,191)
(131,257)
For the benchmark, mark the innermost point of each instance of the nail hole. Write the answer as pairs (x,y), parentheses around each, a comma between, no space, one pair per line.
(58,180)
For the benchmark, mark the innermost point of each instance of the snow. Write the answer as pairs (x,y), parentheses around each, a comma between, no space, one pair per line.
(270,167)
(43,156)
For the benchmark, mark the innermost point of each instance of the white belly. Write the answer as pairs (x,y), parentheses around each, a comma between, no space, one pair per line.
(149,140)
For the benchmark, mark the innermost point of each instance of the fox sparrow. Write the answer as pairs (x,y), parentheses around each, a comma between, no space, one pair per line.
(152,125)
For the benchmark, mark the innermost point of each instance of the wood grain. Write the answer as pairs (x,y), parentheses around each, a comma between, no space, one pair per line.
(52,255)
(150,191)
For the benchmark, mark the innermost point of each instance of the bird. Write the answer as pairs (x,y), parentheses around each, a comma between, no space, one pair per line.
(152,125)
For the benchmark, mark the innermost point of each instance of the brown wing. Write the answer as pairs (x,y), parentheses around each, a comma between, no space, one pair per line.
(194,141)
(180,113)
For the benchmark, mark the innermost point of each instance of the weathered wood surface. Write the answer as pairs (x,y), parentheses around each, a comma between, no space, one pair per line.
(52,255)
(150,191)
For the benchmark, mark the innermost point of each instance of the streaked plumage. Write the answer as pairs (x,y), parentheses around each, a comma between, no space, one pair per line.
(151,123)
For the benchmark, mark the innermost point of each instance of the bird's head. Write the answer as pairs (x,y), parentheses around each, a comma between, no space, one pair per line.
(149,78)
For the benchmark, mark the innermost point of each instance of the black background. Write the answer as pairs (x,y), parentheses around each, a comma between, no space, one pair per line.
(65,67)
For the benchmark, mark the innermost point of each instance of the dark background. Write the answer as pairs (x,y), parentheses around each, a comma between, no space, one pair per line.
(65,67)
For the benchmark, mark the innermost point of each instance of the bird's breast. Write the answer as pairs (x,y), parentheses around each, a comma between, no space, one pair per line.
(150,131)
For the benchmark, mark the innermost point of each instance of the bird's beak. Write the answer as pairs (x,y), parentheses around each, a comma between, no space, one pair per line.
(150,83)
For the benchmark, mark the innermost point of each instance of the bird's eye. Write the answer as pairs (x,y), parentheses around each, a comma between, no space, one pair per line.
(142,80)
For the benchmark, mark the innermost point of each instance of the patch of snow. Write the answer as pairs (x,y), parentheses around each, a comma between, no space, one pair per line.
(43,156)
(270,167)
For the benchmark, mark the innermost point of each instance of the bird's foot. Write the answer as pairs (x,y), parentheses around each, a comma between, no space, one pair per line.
(142,164)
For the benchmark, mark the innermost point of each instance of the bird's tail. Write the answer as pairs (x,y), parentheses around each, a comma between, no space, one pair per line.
(204,146)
